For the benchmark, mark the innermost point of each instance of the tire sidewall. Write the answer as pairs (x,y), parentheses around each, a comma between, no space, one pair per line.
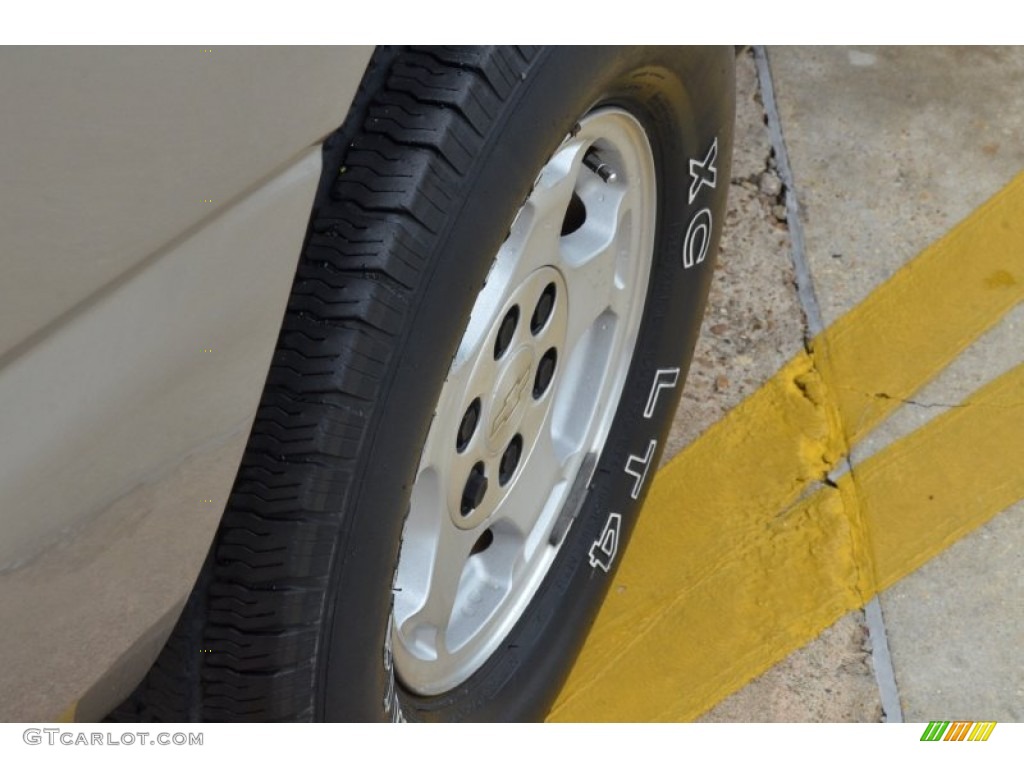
(683,99)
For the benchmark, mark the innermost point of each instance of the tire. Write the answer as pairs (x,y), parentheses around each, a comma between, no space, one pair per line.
(397,391)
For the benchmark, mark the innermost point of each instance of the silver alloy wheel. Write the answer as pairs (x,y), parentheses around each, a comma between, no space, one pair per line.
(528,403)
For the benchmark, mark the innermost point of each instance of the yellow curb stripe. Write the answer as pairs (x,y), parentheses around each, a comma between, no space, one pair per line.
(729,570)
(762,602)
(937,484)
(988,731)
(925,315)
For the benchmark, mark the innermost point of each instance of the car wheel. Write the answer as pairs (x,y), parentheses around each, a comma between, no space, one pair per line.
(489,329)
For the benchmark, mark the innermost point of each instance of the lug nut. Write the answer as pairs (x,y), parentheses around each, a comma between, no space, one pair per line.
(468,426)
(506,332)
(545,372)
(543,310)
(476,487)
(510,460)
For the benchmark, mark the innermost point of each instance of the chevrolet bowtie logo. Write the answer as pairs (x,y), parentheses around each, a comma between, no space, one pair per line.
(511,401)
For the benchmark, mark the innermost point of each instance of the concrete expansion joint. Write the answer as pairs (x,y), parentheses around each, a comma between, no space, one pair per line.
(801,268)
(813,386)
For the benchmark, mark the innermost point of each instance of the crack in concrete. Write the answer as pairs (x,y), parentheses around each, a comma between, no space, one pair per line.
(905,401)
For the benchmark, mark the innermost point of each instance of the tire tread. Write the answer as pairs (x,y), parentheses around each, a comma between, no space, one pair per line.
(246,645)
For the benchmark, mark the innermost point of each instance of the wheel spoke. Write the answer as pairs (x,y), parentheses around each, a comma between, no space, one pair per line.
(551,195)
(593,260)
(534,237)
(426,626)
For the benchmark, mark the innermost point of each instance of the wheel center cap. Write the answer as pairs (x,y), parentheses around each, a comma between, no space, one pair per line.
(509,399)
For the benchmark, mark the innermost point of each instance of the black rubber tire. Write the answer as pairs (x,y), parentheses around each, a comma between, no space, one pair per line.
(420,187)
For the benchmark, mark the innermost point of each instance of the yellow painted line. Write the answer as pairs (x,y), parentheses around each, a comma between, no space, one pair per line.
(930,311)
(927,490)
(733,566)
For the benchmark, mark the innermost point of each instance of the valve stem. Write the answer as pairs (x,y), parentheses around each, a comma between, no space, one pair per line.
(593,161)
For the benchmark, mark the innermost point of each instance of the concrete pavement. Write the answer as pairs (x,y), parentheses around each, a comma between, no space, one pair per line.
(889,149)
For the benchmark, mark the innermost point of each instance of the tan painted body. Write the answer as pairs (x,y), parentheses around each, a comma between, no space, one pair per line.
(152,207)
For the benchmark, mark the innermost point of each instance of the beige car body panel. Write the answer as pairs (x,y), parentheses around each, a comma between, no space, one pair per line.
(152,207)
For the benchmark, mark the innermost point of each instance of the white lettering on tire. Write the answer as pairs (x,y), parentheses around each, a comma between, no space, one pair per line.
(698,238)
(637,466)
(664,378)
(606,546)
(704,172)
